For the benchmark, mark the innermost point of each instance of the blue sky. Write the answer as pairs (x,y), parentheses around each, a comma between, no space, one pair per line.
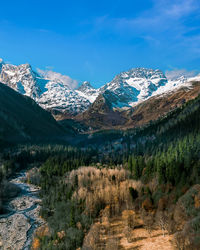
(95,40)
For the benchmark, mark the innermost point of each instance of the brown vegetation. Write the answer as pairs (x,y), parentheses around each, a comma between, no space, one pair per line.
(104,187)
(115,234)
(40,232)
(130,214)
(119,225)
(101,116)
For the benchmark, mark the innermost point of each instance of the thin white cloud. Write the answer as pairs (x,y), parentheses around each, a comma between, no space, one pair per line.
(161,16)
(166,22)
(177,8)
(57,77)
(49,68)
(176,73)
(164,15)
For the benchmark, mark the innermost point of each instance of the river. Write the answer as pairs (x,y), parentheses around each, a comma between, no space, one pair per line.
(18,225)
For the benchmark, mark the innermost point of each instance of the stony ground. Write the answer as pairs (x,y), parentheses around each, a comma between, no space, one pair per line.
(13,231)
(17,227)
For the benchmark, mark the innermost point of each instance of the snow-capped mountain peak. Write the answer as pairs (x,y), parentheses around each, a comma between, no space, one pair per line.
(49,89)
(21,78)
(87,91)
(135,85)
(55,91)
(85,86)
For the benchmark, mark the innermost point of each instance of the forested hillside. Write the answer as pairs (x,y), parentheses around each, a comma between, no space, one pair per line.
(158,169)
(147,179)
(22,120)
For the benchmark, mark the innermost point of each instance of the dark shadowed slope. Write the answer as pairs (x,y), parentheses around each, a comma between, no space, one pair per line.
(22,120)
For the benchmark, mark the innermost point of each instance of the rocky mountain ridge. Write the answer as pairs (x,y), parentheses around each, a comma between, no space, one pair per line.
(100,115)
(51,91)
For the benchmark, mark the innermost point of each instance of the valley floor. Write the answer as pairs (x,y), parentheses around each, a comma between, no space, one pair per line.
(17,226)
(112,235)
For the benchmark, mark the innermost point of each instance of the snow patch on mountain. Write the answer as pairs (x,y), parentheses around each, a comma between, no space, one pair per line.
(135,85)
(21,78)
(175,84)
(52,90)
(49,89)
(139,84)
(87,91)
(194,78)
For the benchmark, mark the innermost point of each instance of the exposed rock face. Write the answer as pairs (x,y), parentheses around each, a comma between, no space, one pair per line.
(100,114)
(58,93)
(86,90)
(50,91)
(21,78)
(135,85)
(141,114)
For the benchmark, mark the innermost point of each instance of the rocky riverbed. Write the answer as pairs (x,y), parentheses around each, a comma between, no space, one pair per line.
(18,225)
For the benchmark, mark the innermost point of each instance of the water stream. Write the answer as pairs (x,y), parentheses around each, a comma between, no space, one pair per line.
(18,225)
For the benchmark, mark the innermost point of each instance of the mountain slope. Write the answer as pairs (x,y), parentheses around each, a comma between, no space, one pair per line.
(101,114)
(22,120)
(159,105)
(135,85)
(86,90)
(144,112)
(58,93)
(51,91)
(163,156)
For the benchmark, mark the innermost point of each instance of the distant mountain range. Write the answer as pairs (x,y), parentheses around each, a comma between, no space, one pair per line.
(51,92)
(122,103)
(100,115)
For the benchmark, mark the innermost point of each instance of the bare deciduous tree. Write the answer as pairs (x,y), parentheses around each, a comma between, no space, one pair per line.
(128,232)
(148,220)
(92,240)
(112,244)
(179,241)
(162,222)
